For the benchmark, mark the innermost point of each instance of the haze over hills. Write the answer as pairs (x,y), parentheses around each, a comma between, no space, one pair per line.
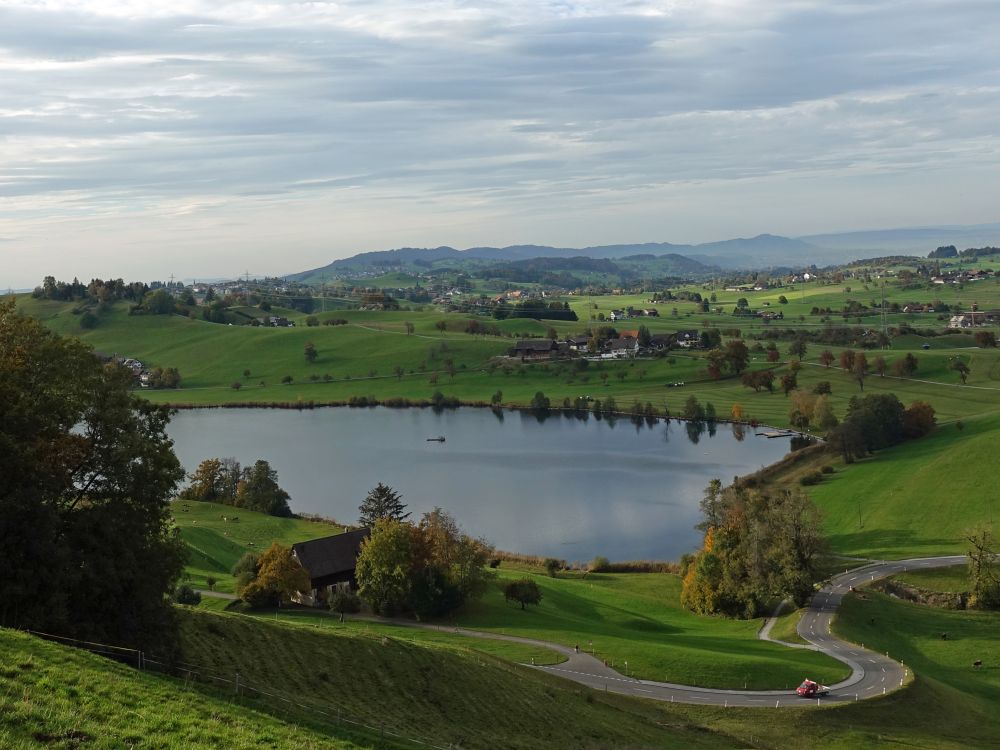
(762,251)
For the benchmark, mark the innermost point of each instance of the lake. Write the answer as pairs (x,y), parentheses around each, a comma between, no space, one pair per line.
(563,487)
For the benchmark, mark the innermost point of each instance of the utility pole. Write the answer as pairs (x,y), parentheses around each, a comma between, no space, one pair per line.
(885,319)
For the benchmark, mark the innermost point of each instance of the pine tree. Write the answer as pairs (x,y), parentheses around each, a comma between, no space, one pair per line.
(381,501)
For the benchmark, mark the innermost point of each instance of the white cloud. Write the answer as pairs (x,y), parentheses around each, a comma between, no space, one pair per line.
(362,124)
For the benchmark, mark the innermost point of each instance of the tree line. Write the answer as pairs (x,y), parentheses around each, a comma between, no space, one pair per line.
(224,480)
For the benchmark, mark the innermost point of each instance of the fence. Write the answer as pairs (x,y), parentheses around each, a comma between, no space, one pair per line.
(241,688)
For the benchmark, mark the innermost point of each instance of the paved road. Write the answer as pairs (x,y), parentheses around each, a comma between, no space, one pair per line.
(872,674)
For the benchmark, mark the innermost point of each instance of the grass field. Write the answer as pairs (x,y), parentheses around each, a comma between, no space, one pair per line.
(216,544)
(448,695)
(59,697)
(916,499)
(633,617)
(952,580)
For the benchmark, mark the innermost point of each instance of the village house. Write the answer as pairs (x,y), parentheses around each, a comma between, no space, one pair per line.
(651,312)
(578,343)
(687,339)
(621,348)
(618,315)
(535,349)
(328,561)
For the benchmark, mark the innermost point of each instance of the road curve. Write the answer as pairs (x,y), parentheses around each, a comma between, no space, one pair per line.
(872,674)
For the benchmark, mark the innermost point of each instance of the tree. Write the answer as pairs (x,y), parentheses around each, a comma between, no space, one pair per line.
(859,369)
(757,547)
(540,403)
(798,348)
(497,398)
(87,474)
(984,339)
(279,578)
(245,570)
(381,502)
(207,482)
(693,411)
(312,321)
(983,576)
(789,382)
(258,490)
(184,594)
(773,355)
(879,365)
(552,566)
(398,372)
(822,414)
(918,420)
(782,299)
(906,366)
(737,356)
(344,601)
(958,365)
(310,351)
(523,591)
(826,357)
(409,328)
(847,360)
(384,564)
(645,337)
(158,302)
(822,387)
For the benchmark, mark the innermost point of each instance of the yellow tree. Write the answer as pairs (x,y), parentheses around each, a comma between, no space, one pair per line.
(737,413)
(279,578)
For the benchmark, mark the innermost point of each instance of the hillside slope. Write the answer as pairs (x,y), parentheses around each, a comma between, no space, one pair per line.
(60,697)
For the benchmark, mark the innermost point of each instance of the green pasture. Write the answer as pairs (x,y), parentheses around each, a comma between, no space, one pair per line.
(916,499)
(60,697)
(638,618)
(439,692)
(218,535)
(953,580)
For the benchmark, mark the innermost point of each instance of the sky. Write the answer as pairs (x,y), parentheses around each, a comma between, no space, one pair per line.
(208,138)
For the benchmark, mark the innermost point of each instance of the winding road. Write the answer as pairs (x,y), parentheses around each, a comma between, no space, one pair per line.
(872,674)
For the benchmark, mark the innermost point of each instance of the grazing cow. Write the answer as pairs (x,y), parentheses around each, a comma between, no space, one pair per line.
(977,664)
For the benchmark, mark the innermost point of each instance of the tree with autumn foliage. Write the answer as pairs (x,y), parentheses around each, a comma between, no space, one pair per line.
(758,546)
(278,579)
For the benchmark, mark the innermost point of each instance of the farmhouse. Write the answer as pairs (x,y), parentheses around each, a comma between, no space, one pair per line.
(535,349)
(622,347)
(687,339)
(328,561)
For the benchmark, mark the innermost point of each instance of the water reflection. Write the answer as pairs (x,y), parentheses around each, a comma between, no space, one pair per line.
(566,485)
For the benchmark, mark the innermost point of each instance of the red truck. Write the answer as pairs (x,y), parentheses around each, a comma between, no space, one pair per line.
(810,689)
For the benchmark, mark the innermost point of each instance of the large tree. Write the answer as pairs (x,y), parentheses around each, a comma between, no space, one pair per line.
(86,473)
(278,578)
(758,547)
(259,490)
(382,501)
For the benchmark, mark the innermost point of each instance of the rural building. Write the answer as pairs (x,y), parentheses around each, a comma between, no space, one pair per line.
(622,347)
(535,349)
(328,561)
(688,339)
(618,315)
(578,343)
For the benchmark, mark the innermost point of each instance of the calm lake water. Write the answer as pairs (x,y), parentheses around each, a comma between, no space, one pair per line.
(565,488)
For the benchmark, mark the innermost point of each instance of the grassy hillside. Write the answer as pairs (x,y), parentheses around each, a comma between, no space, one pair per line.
(918,498)
(59,697)
(452,696)
(218,535)
(633,617)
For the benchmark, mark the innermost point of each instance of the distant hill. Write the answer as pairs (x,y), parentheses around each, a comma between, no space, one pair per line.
(764,250)
(759,252)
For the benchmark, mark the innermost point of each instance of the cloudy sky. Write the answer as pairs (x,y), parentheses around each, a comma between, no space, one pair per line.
(204,138)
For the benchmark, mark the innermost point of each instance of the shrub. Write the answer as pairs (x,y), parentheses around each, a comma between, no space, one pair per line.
(345,601)
(552,566)
(599,564)
(810,479)
(827,470)
(287,379)
(210,581)
(184,594)
(236,385)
